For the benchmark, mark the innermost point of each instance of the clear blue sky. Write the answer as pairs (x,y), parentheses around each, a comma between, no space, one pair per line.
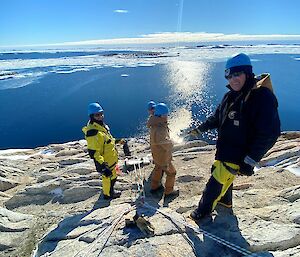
(24,22)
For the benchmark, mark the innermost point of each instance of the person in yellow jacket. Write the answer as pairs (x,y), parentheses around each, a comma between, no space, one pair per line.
(161,148)
(101,148)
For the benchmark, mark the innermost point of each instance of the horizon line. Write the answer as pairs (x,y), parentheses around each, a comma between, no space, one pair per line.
(169,37)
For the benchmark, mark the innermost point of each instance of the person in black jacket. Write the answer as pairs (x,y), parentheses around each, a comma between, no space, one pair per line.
(248,126)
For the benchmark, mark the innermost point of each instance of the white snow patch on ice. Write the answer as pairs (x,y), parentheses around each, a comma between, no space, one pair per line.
(71,71)
(13,151)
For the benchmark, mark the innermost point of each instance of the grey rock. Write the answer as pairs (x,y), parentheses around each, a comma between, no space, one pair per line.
(13,226)
(6,184)
(80,193)
(67,162)
(68,152)
(291,194)
(266,235)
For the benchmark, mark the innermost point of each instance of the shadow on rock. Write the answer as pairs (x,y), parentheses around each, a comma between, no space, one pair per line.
(222,227)
(66,226)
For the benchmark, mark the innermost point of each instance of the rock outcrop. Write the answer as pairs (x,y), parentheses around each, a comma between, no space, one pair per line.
(52,205)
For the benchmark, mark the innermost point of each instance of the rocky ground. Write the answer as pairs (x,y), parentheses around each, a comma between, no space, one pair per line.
(51,205)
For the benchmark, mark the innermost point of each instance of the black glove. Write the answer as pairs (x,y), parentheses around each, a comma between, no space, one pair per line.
(105,170)
(246,169)
(194,132)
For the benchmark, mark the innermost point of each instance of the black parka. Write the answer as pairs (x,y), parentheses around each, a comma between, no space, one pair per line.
(247,122)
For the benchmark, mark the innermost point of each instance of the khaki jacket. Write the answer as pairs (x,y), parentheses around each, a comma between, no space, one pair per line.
(160,143)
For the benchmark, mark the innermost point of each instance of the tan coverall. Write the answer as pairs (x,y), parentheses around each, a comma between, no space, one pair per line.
(161,148)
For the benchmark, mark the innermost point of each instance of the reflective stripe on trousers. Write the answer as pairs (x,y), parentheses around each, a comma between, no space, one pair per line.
(217,186)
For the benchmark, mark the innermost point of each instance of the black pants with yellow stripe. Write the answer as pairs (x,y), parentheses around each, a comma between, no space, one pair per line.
(218,187)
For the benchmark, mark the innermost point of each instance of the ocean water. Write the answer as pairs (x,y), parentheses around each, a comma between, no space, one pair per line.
(44,95)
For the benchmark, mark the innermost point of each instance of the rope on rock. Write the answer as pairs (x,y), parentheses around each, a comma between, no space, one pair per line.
(198,230)
(137,177)
(105,233)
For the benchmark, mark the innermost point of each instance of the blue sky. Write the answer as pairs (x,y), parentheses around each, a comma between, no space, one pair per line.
(34,22)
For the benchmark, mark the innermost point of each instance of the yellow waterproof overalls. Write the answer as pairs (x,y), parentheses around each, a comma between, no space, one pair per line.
(101,146)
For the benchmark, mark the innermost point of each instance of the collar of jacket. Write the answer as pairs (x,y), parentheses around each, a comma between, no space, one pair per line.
(157,121)
(98,126)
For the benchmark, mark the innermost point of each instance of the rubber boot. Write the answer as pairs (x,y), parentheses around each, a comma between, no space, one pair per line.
(126,149)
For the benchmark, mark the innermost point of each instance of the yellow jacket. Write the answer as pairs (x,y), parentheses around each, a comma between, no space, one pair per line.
(101,144)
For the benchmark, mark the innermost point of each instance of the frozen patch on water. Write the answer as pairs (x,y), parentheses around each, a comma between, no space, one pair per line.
(124,75)
(21,79)
(71,71)
(255,60)
(146,64)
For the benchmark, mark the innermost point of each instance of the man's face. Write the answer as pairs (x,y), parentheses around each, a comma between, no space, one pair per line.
(237,80)
(98,116)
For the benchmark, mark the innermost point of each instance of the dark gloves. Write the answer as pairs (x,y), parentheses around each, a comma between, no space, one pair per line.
(246,169)
(197,131)
(194,132)
(120,141)
(105,170)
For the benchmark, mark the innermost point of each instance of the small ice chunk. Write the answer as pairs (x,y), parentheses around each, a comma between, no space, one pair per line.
(57,192)
(47,152)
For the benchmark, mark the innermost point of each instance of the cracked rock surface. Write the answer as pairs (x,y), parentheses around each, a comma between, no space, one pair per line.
(51,205)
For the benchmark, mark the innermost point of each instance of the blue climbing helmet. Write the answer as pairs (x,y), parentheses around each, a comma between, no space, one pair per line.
(161,109)
(151,105)
(94,108)
(237,63)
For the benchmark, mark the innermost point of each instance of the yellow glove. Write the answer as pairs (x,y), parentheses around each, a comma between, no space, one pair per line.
(194,132)
(145,226)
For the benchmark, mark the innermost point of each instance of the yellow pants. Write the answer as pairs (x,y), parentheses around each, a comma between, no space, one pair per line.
(223,175)
(108,183)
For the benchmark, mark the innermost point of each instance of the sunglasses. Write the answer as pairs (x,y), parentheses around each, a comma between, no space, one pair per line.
(98,114)
(234,75)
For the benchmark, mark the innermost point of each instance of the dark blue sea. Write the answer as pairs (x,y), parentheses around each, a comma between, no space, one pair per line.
(44,96)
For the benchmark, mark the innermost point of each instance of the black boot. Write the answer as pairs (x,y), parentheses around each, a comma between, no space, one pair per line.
(126,149)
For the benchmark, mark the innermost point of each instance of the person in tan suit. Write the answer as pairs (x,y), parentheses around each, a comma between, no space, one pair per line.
(161,148)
